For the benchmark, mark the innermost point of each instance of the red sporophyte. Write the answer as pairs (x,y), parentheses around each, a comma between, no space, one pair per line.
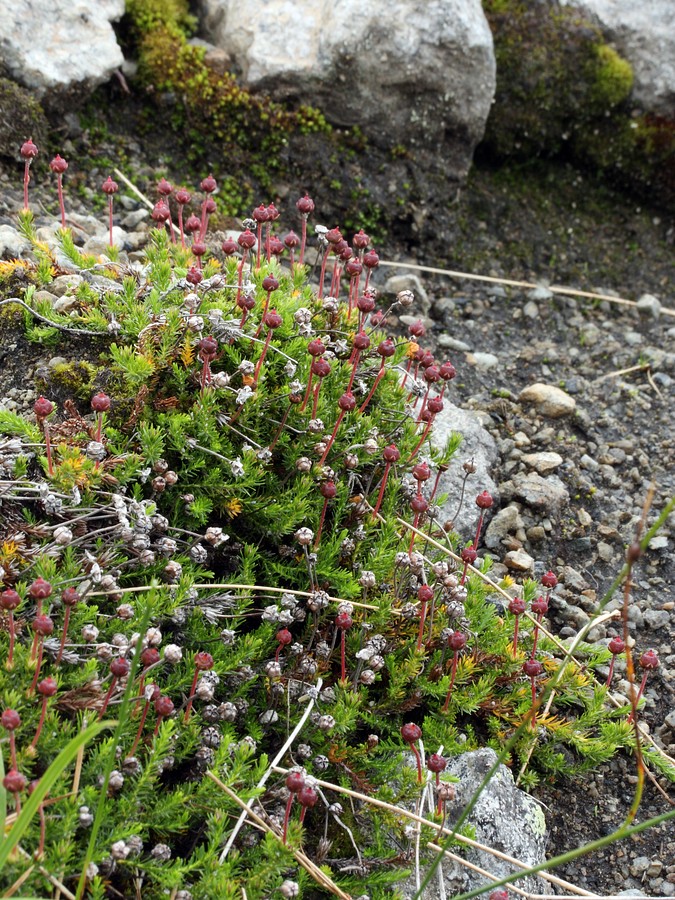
(229,246)
(295,782)
(28,153)
(69,598)
(208,350)
(272,215)
(516,607)
(320,368)
(413,353)
(315,348)
(391,454)
(332,237)
(58,166)
(539,608)
(425,595)
(447,372)
(305,206)
(616,646)
(260,215)
(343,622)
(194,276)
(14,782)
(100,403)
(499,894)
(10,721)
(182,198)
(360,344)
(431,375)
(411,733)
(245,302)
(110,188)
(119,668)
(437,764)
(456,642)
(483,501)
(198,249)
(469,556)
(549,581)
(371,261)
(246,241)
(203,662)
(161,214)
(43,408)
(291,242)
(9,600)
(533,668)
(269,284)
(284,638)
(43,626)
(648,661)
(164,707)
(328,491)
(346,403)
(385,349)
(46,688)
(353,268)
(419,505)
(307,798)
(360,240)
(39,590)
(276,245)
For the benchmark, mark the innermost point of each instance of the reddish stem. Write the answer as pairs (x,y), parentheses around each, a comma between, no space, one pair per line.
(110,218)
(422,439)
(59,188)
(281,427)
(303,240)
(418,760)
(321,521)
(188,708)
(478,527)
(534,704)
(12,639)
(289,802)
(332,437)
(307,392)
(423,616)
(38,666)
(141,725)
(12,750)
(343,666)
(48,448)
(323,271)
(452,680)
(515,636)
(107,697)
(378,378)
(66,620)
(380,496)
(43,712)
(262,358)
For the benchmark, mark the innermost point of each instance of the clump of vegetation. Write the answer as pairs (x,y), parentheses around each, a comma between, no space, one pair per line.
(562,91)
(211,105)
(229,562)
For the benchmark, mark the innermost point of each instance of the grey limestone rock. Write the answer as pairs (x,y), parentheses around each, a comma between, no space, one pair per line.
(60,47)
(504,818)
(478,446)
(415,72)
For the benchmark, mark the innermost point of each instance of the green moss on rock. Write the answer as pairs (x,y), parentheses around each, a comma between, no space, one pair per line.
(563,92)
(21,117)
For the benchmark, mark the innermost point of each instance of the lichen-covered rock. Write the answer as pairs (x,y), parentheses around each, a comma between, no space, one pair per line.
(478,448)
(58,47)
(504,817)
(643,33)
(409,72)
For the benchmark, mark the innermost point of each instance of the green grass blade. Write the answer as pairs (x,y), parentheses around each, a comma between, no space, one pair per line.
(46,783)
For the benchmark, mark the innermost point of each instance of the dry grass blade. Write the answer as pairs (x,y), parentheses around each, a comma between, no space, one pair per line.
(554,288)
(317,874)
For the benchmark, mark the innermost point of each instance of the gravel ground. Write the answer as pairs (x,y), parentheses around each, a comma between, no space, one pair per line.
(581,441)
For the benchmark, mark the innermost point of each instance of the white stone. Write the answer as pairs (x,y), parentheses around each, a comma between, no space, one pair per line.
(548,400)
(55,46)
(643,33)
(12,243)
(543,462)
(519,560)
(649,307)
(406,72)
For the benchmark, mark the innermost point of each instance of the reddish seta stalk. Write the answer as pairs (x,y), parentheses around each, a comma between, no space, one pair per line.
(391,455)
(69,598)
(58,166)
(615,646)
(28,153)
(46,688)
(540,607)
(483,501)
(532,668)
(119,668)
(469,556)
(456,642)
(516,607)
(10,600)
(203,662)
(386,350)
(305,206)
(343,622)
(272,320)
(425,595)
(110,188)
(328,491)
(346,403)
